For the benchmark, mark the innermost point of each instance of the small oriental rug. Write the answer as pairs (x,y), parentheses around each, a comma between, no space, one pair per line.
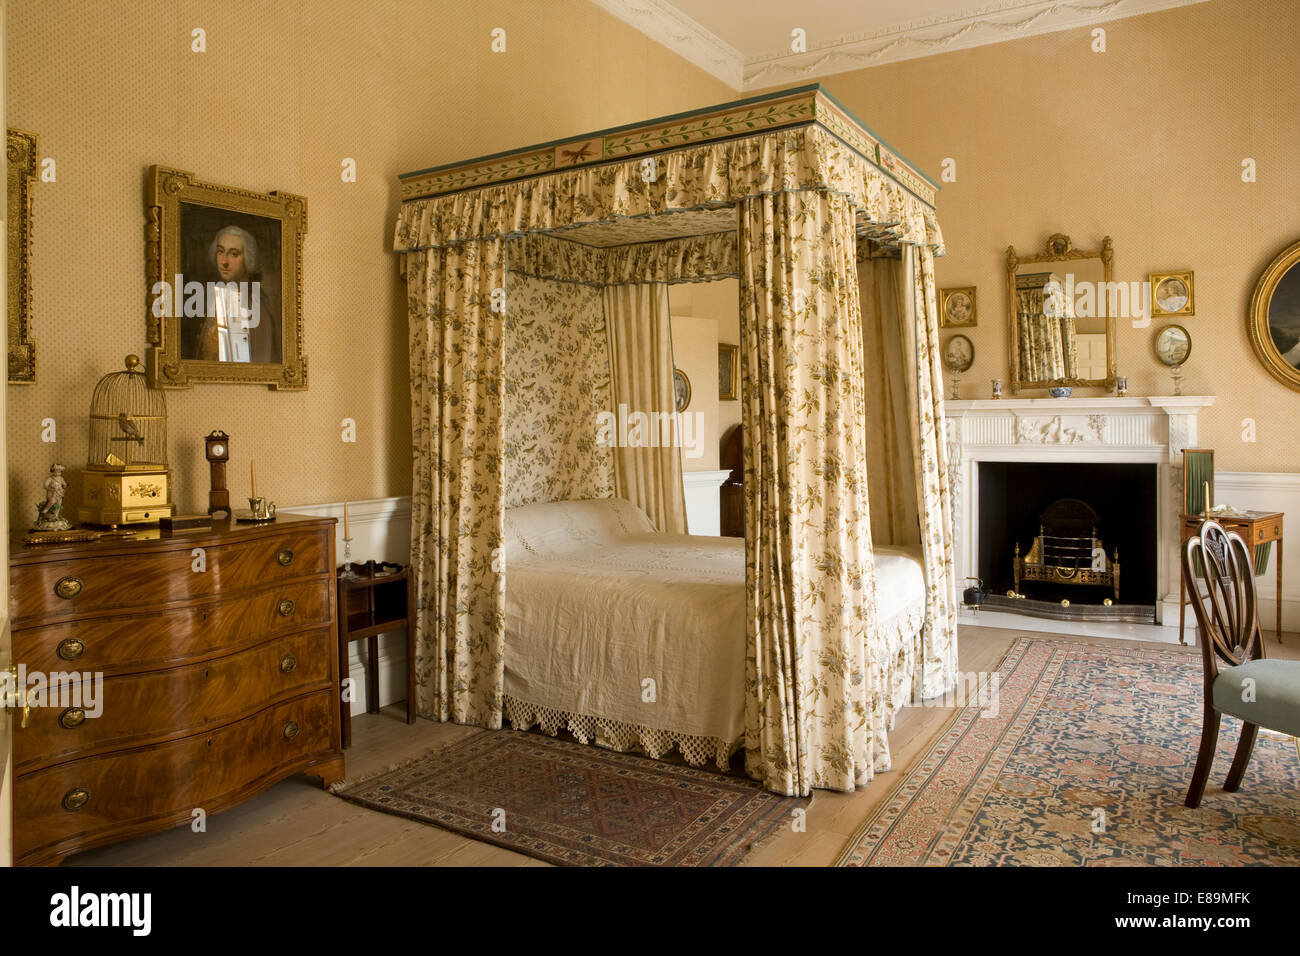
(1085,761)
(579,805)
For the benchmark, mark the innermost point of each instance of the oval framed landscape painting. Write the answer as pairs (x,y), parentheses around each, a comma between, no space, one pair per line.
(1275,317)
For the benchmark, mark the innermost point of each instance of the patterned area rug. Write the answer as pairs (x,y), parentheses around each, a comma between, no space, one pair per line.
(1085,761)
(579,805)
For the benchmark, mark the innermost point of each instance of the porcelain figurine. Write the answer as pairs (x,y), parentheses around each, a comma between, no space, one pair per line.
(49,513)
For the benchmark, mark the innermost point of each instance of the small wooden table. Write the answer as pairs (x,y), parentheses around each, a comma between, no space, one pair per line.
(1255,528)
(380,599)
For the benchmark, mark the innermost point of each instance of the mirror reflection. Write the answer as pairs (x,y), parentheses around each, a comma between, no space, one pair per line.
(1062,330)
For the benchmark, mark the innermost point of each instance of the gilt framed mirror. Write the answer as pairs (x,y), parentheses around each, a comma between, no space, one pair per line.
(1275,317)
(1061,315)
(20,158)
(225,283)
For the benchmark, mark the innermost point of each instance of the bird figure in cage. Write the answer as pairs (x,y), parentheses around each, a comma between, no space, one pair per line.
(129,427)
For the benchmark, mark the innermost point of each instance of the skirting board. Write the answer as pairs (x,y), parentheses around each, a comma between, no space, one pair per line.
(381,529)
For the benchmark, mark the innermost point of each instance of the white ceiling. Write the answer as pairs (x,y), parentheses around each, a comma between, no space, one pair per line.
(747,43)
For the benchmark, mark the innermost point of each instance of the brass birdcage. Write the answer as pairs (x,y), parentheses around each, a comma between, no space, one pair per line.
(127,480)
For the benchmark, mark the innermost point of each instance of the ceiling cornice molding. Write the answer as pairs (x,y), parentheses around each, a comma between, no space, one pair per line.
(996,23)
(977,26)
(668,26)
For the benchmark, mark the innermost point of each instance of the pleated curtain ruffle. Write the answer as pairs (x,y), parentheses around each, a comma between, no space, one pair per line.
(648,466)
(457,479)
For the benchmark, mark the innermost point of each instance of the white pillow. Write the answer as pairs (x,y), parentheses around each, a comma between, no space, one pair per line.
(562,527)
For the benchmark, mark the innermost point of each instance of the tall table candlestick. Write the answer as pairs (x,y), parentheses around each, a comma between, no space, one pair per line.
(252,475)
(346,530)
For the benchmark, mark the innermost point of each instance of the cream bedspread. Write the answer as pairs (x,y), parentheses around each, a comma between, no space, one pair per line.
(620,633)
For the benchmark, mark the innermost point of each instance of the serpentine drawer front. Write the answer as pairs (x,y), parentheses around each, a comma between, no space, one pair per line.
(198,669)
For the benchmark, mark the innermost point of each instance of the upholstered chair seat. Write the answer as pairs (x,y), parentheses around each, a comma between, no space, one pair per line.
(1276,694)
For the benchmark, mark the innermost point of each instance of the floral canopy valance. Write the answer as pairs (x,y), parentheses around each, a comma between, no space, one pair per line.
(796,141)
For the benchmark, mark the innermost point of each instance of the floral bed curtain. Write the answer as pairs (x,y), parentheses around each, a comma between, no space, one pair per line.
(815,699)
(907,460)
(457,479)
(557,382)
(648,471)
(938,671)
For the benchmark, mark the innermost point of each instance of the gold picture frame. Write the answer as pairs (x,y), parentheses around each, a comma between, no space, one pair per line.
(681,390)
(1274,322)
(224,293)
(728,372)
(20,155)
(957,308)
(1172,293)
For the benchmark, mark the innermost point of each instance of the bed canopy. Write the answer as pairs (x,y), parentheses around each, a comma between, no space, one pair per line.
(832,236)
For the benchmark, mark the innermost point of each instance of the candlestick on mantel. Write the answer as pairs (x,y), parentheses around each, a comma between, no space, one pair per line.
(347,533)
(252,476)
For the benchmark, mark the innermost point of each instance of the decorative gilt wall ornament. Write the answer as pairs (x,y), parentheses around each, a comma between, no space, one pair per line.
(224,283)
(1275,317)
(20,154)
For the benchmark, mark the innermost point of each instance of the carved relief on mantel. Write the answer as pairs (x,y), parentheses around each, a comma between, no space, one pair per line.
(1061,429)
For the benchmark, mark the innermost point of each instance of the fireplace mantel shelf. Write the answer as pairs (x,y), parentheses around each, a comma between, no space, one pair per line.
(1079,405)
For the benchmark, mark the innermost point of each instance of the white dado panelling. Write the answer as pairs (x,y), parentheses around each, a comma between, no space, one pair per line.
(381,529)
(1270,491)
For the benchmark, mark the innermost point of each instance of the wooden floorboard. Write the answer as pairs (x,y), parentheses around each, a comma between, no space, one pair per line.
(296,823)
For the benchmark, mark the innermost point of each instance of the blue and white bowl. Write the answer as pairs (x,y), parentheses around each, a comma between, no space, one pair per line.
(1061,391)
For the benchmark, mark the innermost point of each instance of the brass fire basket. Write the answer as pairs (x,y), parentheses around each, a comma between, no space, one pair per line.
(1067,550)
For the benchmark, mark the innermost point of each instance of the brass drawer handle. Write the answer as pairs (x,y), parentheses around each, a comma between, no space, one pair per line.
(288,663)
(76,798)
(285,607)
(72,718)
(68,587)
(71,649)
(291,730)
(285,557)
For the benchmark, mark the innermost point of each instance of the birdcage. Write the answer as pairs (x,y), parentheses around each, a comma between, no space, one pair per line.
(127,480)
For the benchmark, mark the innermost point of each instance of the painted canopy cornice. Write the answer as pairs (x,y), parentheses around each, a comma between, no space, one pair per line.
(796,141)
(804,106)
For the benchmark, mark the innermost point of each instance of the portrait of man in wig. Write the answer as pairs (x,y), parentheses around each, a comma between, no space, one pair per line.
(241,323)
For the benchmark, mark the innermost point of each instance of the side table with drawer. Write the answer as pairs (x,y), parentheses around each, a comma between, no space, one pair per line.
(214,653)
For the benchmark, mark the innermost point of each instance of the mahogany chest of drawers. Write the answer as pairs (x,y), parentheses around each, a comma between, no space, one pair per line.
(215,658)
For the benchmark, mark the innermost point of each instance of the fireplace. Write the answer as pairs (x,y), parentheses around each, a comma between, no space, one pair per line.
(1120,455)
(1021,503)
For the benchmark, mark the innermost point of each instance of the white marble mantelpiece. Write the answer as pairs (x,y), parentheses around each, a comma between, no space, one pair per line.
(1152,429)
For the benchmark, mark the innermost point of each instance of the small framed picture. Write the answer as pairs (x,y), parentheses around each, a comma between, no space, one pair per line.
(1173,345)
(681,390)
(1172,293)
(957,307)
(728,372)
(959,353)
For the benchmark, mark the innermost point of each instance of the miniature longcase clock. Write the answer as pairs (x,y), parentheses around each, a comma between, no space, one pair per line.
(217,448)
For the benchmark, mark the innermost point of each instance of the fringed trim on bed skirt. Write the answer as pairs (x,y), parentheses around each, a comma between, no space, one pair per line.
(617,735)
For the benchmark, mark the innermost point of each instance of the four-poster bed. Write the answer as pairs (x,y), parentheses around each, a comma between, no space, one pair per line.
(538,298)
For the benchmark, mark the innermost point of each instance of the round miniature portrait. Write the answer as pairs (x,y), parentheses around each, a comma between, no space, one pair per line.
(1173,345)
(958,353)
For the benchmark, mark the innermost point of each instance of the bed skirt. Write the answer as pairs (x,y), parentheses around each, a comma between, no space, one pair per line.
(902,637)
(619,735)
